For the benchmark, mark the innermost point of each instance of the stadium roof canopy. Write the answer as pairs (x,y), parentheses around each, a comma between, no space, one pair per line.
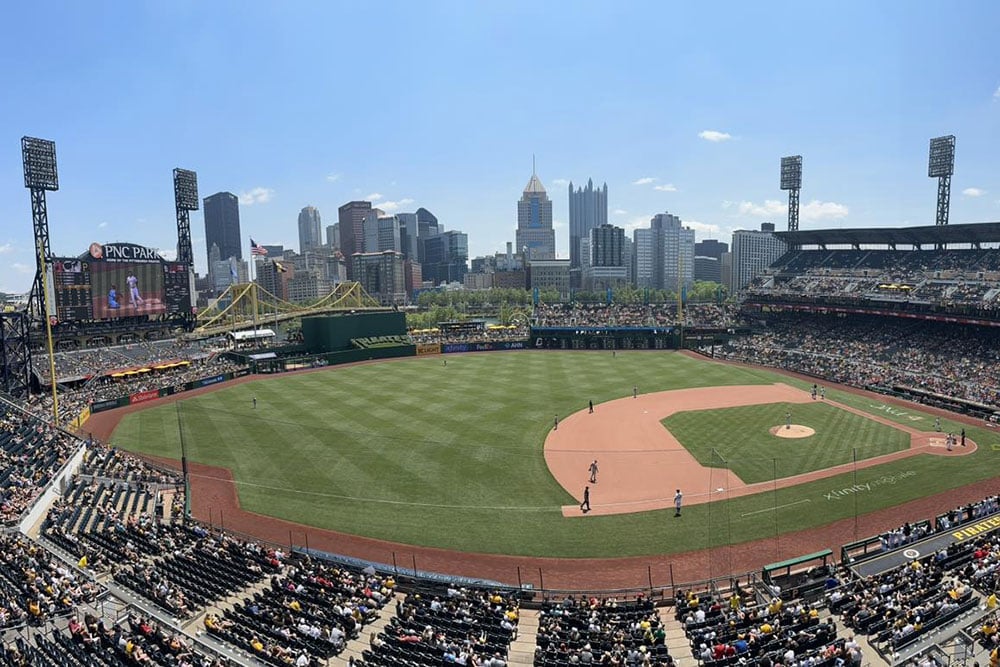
(933,235)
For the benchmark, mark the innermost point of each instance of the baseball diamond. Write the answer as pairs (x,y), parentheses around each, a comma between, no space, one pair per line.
(350,449)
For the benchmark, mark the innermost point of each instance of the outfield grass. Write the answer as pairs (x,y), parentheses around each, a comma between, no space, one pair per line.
(451,456)
(739,439)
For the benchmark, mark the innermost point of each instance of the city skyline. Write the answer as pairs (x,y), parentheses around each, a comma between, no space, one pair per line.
(699,132)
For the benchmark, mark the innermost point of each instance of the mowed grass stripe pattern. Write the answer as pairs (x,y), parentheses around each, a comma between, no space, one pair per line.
(357,448)
(740,439)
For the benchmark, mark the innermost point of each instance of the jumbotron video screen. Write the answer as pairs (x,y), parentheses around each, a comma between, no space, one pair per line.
(119,280)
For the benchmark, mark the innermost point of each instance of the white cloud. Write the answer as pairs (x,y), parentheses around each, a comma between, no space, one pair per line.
(814,210)
(769,208)
(393,206)
(169,254)
(973,192)
(23,268)
(375,196)
(619,211)
(823,210)
(996,94)
(561,182)
(102,225)
(727,204)
(558,224)
(666,187)
(6,248)
(256,196)
(715,136)
(703,227)
(645,180)
(332,177)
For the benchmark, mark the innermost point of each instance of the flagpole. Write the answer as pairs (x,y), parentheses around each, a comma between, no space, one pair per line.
(253,294)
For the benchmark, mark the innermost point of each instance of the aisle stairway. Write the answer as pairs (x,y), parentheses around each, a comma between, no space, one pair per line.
(522,649)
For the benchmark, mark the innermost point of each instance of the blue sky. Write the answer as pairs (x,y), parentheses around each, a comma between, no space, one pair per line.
(684,108)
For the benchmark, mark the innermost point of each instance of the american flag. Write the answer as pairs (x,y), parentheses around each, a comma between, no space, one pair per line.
(257,249)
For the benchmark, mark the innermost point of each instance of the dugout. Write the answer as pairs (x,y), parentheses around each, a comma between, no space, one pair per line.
(334,333)
(801,577)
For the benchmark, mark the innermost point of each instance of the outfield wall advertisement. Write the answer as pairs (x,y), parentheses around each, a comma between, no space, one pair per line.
(143,396)
(491,346)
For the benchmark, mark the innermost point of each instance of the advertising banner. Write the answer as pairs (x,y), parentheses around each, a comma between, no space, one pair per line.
(80,420)
(144,396)
(490,346)
(204,382)
(111,404)
(428,348)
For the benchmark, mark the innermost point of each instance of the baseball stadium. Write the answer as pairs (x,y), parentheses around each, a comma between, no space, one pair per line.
(801,474)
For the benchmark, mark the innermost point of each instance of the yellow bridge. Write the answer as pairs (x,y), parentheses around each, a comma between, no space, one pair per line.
(247,305)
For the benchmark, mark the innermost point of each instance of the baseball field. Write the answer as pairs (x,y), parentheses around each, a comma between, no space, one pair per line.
(464,456)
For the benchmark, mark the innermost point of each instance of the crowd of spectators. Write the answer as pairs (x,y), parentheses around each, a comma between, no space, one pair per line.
(707,315)
(104,360)
(459,626)
(36,585)
(738,629)
(102,460)
(485,334)
(876,352)
(894,608)
(601,632)
(953,279)
(31,452)
(72,400)
(309,612)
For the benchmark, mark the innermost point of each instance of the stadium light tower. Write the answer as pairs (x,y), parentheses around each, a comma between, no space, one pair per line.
(185,200)
(40,175)
(941,165)
(791,180)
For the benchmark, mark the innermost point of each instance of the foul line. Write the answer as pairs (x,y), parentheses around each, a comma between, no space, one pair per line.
(776,507)
(304,492)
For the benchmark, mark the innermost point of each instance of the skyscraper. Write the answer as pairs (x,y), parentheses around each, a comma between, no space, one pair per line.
(710,248)
(605,267)
(534,222)
(427,223)
(753,251)
(606,243)
(664,254)
(588,209)
(381,275)
(409,229)
(676,257)
(310,229)
(446,256)
(351,217)
(222,225)
(381,232)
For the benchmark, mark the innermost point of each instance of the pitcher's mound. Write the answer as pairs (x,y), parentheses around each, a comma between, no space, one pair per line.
(795,431)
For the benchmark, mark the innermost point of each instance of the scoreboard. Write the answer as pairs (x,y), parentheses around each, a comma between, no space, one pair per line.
(71,283)
(119,280)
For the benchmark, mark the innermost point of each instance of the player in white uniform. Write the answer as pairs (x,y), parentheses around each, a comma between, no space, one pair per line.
(133,290)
